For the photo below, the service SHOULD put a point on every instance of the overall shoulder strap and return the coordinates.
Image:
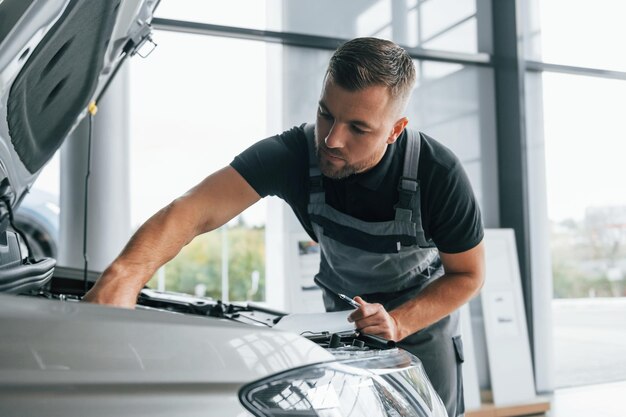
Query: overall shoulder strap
(409, 205)
(315, 175)
(408, 185)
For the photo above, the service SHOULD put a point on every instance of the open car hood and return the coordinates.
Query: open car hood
(56, 58)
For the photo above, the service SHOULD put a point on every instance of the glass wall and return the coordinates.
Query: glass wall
(586, 134)
(242, 13)
(578, 141)
(196, 102)
(580, 33)
(585, 143)
(448, 25)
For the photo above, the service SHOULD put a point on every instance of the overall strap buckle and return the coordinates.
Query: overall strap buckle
(407, 190)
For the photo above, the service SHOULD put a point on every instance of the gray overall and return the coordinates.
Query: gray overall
(389, 263)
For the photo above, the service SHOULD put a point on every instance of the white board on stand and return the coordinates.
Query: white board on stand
(510, 365)
(302, 266)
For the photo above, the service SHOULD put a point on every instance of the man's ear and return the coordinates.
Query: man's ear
(397, 130)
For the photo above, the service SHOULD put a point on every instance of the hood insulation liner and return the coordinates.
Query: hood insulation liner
(58, 80)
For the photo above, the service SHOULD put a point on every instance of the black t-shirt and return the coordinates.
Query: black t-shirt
(279, 166)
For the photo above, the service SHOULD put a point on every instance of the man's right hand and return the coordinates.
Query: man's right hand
(113, 289)
(125, 299)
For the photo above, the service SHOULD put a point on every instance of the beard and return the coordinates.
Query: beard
(332, 170)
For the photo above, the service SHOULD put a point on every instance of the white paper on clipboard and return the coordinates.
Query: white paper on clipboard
(334, 322)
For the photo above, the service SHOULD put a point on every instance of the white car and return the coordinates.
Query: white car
(175, 355)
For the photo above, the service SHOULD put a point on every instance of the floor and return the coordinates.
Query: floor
(589, 341)
(601, 400)
(590, 358)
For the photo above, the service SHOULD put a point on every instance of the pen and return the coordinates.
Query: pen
(349, 300)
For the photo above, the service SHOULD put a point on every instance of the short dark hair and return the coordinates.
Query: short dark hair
(366, 62)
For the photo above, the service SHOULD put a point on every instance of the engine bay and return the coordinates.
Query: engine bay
(68, 285)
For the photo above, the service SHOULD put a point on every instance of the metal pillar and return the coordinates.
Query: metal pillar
(108, 217)
(512, 157)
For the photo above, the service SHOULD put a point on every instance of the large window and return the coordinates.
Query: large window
(196, 102)
(449, 25)
(578, 113)
(576, 32)
(585, 134)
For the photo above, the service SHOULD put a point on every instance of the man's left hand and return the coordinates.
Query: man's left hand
(374, 319)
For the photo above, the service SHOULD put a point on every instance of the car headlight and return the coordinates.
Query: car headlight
(375, 384)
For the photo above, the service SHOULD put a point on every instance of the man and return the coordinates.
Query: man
(397, 222)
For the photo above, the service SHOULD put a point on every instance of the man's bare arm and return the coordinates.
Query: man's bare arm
(210, 204)
(464, 276)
